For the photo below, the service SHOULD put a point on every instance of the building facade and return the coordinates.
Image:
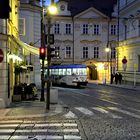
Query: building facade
(30, 33)
(13, 55)
(82, 31)
(9, 47)
(129, 40)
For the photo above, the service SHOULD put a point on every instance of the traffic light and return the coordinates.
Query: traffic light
(42, 52)
(51, 39)
(4, 9)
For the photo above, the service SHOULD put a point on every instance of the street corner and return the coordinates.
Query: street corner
(31, 110)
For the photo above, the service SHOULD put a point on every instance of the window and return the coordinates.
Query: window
(57, 51)
(57, 29)
(62, 7)
(68, 52)
(96, 29)
(22, 26)
(85, 52)
(113, 53)
(85, 28)
(113, 30)
(68, 28)
(96, 52)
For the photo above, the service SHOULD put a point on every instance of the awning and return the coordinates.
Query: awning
(27, 48)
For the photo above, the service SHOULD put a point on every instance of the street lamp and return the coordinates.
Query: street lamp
(52, 10)
(44, 47)
(107, 50)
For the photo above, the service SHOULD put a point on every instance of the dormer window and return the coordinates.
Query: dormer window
(62, 7)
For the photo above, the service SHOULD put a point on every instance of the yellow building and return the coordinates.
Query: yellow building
(129, 41)
(14, 52)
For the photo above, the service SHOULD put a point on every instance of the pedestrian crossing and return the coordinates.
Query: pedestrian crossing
(111, 112)
(39, 130)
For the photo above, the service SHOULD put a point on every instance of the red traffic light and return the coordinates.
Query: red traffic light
(42, 53)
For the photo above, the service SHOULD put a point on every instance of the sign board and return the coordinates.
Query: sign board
(1, 55)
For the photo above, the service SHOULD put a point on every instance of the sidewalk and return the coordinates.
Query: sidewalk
(125, 86)
(30, 109)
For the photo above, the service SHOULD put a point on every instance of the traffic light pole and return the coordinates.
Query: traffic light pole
(43, 45)
(49, 62)
(48, 59)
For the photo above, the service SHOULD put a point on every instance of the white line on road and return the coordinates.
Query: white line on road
(70, 115)
(8, 125)
(48, 137)
(124, 112)
(106, 112)
(70, 137)
(85, 111)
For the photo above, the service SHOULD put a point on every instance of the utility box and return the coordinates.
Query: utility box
(53, 96)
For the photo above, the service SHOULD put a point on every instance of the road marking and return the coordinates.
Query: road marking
(4, 137)
(10, 125)
(7, 130)
(100, 110)
(49, 125)
(50, 130)
(124, 112)
(10, 121)
(70, 137)
(49, 137)
(63, 130)
(70, 115)
(85, 111)
(106, 112)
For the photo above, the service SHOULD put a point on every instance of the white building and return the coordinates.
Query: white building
(30, 33)
(82, 30)
(129, 37)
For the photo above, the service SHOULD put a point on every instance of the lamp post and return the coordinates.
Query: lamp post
(107, 65)
(42, 45)
(52, 10)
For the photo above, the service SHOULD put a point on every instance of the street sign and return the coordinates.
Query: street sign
(1, 55)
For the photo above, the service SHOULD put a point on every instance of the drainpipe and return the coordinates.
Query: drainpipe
(73, 40)
(118, 30)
